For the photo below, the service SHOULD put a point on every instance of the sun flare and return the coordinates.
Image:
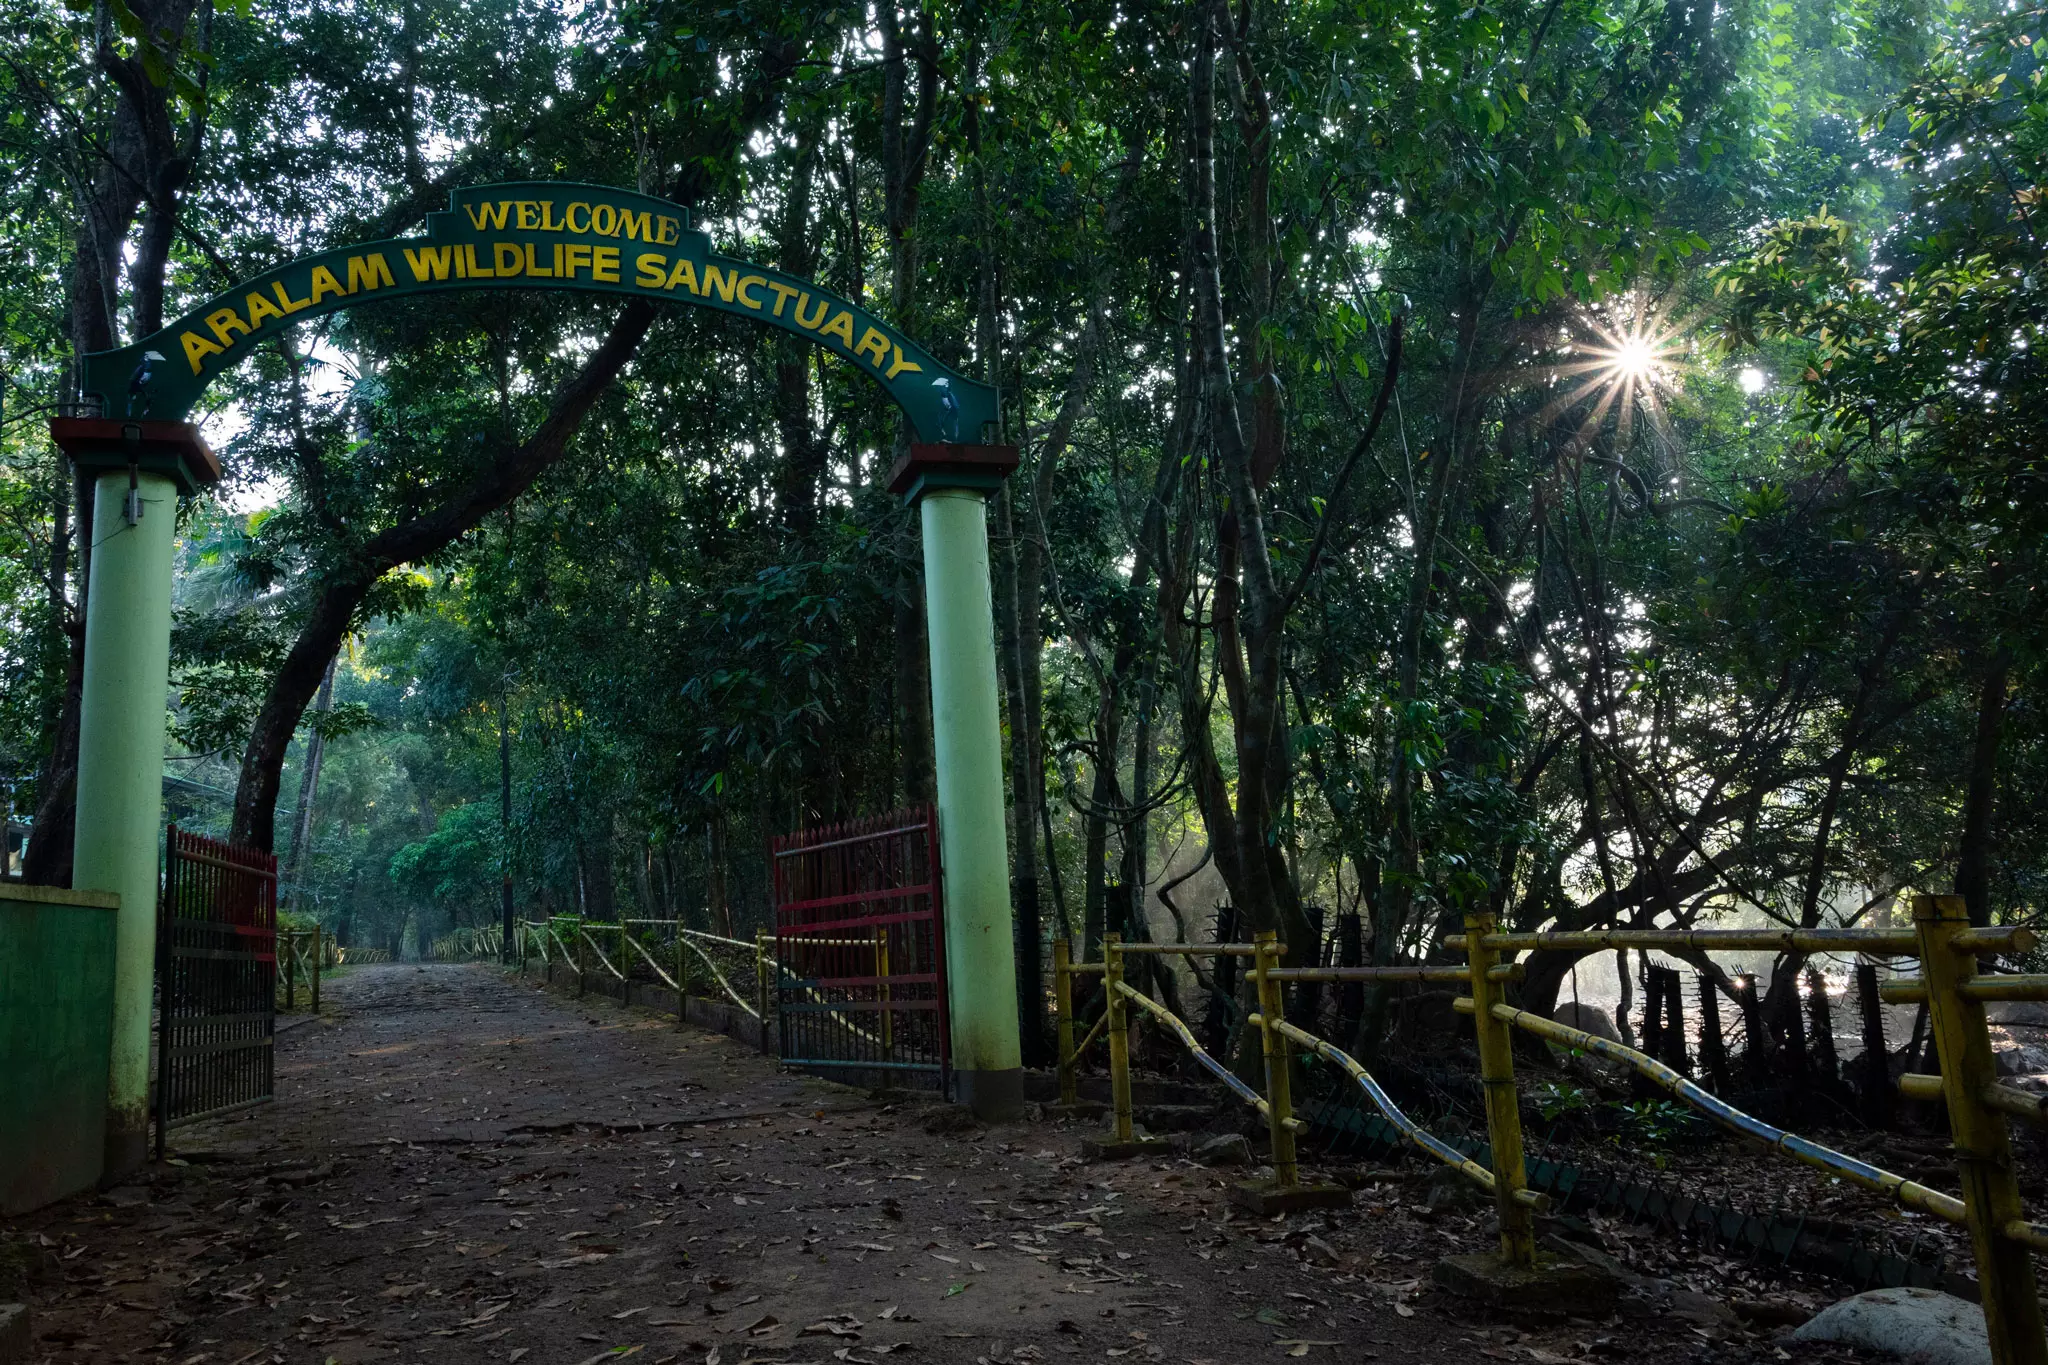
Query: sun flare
(1622, 362)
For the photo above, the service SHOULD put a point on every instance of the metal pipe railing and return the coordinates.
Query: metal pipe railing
(1909, 1193)
(1187, 1038)
(1421, 1137)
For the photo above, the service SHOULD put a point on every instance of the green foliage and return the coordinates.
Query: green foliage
(1680, 643)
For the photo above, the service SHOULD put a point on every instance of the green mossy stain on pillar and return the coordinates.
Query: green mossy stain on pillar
(967, 746)
(120, 770)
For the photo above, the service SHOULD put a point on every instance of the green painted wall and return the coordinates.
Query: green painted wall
(56, 1031)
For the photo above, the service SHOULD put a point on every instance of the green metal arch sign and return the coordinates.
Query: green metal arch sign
(534, 235)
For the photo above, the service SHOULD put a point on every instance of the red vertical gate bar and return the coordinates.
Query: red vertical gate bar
(216, 979)
(859, 948)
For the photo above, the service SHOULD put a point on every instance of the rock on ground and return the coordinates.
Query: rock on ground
(1586, 1018)
(1919, 1324)
(1225, 1149)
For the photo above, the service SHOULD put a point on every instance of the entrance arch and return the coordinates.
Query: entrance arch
(535, 235)
(525, 235)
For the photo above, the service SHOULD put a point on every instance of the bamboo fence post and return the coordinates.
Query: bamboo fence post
(1118, 1028)
(682, 952)
(1503, 1105)
(316, 968)
(1063, 1003)
(761, 990)
(1991, 1192)
(1279, 1084)
(291, 971)
(582, 958)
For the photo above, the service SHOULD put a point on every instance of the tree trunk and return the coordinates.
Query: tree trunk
(1973, 855)
(906, 153)
(138, 150)
(1250, 611)
(309, 788)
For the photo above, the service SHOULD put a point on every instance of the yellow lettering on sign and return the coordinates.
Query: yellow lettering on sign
(874, 346)
(671, 232)
(324, 284)
(547, 216)
(808, 323)
(290, 304)
(529, 214)
(719, 282)
(370, 272)
(569, 217)
(197, 347)
(748, 300)
(429, 263)
(558, 258)
(505, 256)
(651, 268)
(261, 308)
(577, 254)
(484, 217)
(637, 225)
(533, 267)
(224, 321)
(684, 274)
(604, 220)
(841, 326)
(899, 365)
(604, 266)
(783, 294)
(471, 269)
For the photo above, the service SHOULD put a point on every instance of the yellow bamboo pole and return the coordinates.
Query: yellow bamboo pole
(1119, 1036)
(1991, 1192)
(1063, 1004)
(682, 975)
(761, 991)
(1279, 1084)
(1503, 1107)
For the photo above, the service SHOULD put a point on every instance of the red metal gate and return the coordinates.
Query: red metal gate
(216, 978)
(860, 948)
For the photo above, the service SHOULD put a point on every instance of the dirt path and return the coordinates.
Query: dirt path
(461, 1167)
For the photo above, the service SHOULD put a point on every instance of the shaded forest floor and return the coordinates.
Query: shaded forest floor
(463, 1167)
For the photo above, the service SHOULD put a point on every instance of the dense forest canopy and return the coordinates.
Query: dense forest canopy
(1574, 459)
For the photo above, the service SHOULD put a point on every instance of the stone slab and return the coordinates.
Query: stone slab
(1267, 1199)
(1109, 1149)
(1079, 1109)
(14, 1333)
(1550, 1286)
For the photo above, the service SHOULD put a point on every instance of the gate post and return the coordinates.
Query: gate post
(949, 485)
(141, 468)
